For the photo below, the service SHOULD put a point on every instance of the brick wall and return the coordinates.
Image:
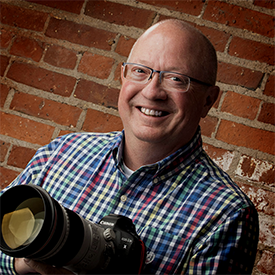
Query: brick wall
(60, 63)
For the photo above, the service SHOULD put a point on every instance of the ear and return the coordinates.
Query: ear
(211, 96)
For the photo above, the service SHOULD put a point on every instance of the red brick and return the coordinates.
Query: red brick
(70, 6)
(22, 18)
(60, 57)
(263, 200)
(96, 65)
(5, 38)
(242, 135)
(20, 156)
(252, 50)
(239, 17)
(80, 34)
(208, 125)
(4, 62)
(7, 176)
(117, 75)
(218, 38)
(221, 157)
(97, 121)
(25, 129)
(4, 90)
(47, 109)
(235, 75)
(125, 45)
(4, 147)
(26, 47)
(119, 14)
(186, 6)
(240, 105)
(267, 114)
(267, 263)
(269, 4)
(270, 86)
(96, 93)
(42, 79)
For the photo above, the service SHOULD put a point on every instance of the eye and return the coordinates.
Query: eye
(176, 79)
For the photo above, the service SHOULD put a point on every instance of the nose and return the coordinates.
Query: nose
(153, 89)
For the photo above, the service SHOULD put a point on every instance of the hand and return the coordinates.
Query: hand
(25, 266)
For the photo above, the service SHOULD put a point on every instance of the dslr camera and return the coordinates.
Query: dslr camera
(35, 226)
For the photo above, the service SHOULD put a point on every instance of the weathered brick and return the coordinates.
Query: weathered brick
(267, 231)
(269, 4)
(96, 65)
(267, 114)
(70, 6)
(25, 129)
(256, 170)
(20, 156)
(4, 90)
(267, 262)
(236, 75)
(252, 50)
(119, 14)
(239, 17)
(60, 57)
(240, 105)
(270, 86)
(223, 158)
(5, 38)
(97, 121)
(263, 200)
(42, 79)
(242, 135)
(47, 109)
(26, 47)
(208, 125)
(4, 147)
(4, 62)
(96, 93)
(187, 6)
(7, 176)
(80, 34)
(22, 18)
(125, 45)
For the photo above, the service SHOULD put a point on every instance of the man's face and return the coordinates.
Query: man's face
(156, 115)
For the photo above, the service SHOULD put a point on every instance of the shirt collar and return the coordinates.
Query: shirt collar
(182, 156)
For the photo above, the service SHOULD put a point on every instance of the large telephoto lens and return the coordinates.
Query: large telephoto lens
(33, 225)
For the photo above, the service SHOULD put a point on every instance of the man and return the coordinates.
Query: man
(192, 218)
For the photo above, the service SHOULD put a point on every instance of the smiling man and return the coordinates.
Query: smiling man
(192, 218)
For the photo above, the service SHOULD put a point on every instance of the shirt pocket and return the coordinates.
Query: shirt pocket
(165, 251)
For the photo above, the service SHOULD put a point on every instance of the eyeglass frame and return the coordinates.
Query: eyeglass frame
(161, 72)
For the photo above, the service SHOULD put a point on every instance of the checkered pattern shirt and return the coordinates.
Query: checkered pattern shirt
(192, 218)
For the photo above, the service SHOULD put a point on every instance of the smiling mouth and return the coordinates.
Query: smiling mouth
(150, 112)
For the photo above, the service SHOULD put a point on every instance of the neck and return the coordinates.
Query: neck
(144, 153)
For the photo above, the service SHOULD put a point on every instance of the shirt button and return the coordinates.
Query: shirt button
(123, 198)
(155, 181)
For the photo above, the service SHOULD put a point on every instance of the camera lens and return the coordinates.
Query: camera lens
(21, 226)
(33, 225)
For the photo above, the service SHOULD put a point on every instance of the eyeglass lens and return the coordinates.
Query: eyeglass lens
(169, 80)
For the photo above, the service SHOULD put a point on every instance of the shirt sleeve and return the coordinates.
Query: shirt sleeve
(231, 249)
(6, 264)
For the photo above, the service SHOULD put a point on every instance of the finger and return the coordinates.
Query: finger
(45, 269)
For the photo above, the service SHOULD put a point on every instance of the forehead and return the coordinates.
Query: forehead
(167, 47)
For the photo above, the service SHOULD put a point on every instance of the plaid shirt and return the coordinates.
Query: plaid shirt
(192, 218)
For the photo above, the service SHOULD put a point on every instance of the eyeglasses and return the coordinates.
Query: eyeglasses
(174, 82)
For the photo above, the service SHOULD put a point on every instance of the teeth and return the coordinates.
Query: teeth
(149, 112)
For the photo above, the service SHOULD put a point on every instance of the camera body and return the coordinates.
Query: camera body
(35, 226)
